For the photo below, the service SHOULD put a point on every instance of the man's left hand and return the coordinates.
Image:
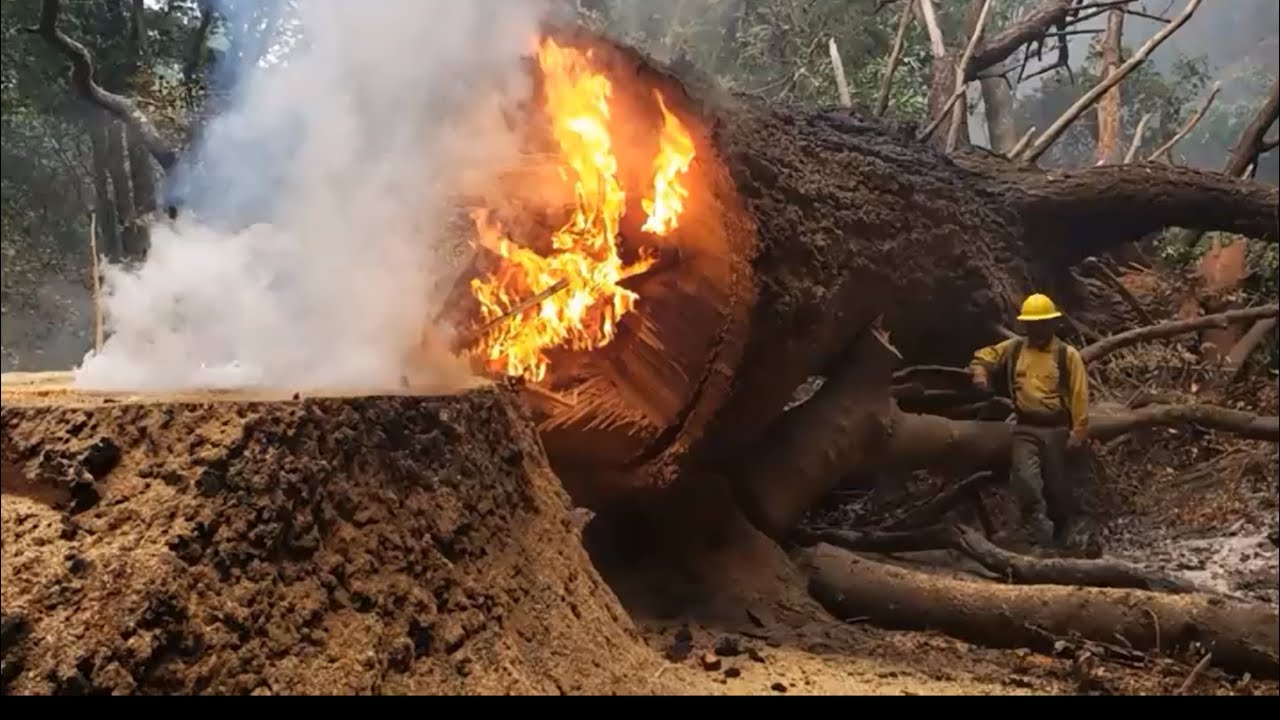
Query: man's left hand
(1077, 439)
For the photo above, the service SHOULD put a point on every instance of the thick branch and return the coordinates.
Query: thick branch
(1031, 29)
(1236, 422)
(1187, 128)
(1103, 348)
(1050, 136)
(1239, 355)
(1111, 204)
(1247, 149)
(82, 79)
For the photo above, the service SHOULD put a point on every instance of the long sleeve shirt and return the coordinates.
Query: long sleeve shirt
(1035, 381)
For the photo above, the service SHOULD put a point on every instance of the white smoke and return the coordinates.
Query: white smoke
(345, 148)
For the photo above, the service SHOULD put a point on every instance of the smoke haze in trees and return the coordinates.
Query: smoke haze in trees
(313, 204)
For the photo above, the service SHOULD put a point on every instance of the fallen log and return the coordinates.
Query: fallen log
(1011, 567)
(1242, 637)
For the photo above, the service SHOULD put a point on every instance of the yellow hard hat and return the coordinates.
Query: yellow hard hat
(1038, 307)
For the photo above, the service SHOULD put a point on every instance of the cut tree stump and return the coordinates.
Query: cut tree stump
(224, 545)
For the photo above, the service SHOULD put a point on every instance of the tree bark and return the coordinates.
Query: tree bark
(1109, 106)
(997, 101)
(1243, 637)
(104, 203)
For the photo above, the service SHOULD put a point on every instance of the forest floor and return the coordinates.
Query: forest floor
(1204, 517)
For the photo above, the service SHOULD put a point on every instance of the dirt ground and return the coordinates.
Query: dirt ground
(386, 545)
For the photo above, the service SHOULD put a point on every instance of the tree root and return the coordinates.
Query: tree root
(1012, 567)
(1242, 637)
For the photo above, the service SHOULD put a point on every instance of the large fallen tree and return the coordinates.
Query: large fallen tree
(833, 244)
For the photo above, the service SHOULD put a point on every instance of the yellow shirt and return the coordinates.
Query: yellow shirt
(1035, 385)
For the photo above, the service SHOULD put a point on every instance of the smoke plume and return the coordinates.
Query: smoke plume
(315, 205)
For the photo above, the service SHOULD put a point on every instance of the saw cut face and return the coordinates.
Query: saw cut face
(563, 290)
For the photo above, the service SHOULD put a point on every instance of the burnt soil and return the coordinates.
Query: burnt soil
(389, 545)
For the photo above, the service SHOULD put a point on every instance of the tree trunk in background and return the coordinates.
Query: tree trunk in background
(143, 180)
(122, 191)
(997, 99)
(1110, 149)
(108, 224)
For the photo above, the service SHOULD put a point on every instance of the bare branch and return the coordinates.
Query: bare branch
(895, 56)
(1268, 144)
(82, 79)
(1050, 136)
(1022, 142)
(1137, 138)
(1252, 140)
(1238, 357)
(1103, 348)
(1189, 126)
(961, 114)
(936, 44)
(837, 66)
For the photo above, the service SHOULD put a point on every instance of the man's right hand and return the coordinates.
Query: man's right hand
(980, 380)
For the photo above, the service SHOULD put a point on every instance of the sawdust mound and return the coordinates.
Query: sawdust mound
(340, 545)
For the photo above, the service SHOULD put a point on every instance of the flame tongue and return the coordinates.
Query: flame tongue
(585, 313)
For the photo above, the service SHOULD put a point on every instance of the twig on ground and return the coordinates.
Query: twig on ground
(1195, 673)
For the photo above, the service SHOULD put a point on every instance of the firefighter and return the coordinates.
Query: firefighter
(1047, 382)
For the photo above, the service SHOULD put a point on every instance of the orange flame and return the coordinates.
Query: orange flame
(675, 153)
(583, 301)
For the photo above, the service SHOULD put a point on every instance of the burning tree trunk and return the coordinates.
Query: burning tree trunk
(803, 229)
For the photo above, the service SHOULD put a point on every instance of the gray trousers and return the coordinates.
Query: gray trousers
(1038, 456)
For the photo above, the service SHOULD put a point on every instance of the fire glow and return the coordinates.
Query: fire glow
(581, 300)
